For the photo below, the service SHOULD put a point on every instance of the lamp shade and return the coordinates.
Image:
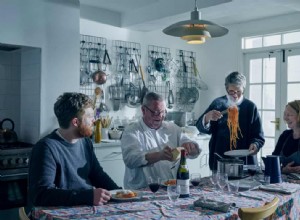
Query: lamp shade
(189, 29)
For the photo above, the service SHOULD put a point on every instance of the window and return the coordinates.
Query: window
(271, 40)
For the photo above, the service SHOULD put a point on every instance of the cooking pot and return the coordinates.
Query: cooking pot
(160, 64)
(233, 167)
(99, 77)
(8, 135)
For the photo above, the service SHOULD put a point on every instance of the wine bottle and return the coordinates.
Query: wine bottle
(183, 176)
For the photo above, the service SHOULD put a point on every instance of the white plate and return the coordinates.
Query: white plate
(246, 183)
(237, 153)
(113, 195)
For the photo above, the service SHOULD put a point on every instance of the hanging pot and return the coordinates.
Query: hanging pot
(8, 135)
(99, 77)
(160, 64)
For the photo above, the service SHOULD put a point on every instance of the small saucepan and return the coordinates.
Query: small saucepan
(99, 77)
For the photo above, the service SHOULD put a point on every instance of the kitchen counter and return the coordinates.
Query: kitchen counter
(107, 143)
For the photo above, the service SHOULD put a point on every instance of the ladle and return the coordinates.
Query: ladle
(218, 155)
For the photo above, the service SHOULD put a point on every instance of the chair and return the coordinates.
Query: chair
(22, 214)
(259, 212)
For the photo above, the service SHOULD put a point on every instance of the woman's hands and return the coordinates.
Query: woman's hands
(290, 169)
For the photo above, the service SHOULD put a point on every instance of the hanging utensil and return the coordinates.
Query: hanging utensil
(200, 83)
(144, 89)
(184, 67)
(106, 59)
(99, 77)
(170, 96)
(132, 99)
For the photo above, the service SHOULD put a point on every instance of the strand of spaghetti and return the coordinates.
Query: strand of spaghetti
(233, 125)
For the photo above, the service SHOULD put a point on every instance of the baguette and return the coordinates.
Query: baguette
(176, 153)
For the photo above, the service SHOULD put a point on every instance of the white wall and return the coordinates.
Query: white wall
(53, 26)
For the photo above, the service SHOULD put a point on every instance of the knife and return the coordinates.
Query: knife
(249, 196)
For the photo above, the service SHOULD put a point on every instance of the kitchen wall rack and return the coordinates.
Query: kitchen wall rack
(157, 72)
(186, 85)
(126, 78)
(93, 56)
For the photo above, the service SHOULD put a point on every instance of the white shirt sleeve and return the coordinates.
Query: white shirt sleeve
(206, 126)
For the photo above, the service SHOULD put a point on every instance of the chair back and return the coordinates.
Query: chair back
(22, 214)
(259, 212)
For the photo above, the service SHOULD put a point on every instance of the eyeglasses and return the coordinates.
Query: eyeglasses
(233, 92)
(156, 113)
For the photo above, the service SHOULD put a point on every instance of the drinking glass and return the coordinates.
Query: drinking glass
(266, 180)
(173, 193)
(214, 179)
(233, 187)
(222, 180)
(154, 183)
(195, 179)
(252, 169)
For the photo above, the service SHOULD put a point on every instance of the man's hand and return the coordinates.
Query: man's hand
(190, 148)
(166, 154)
(212, 115)
(253, 149)
(101, 196)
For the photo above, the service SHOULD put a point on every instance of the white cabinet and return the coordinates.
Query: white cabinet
(110, 157)
(200, 164)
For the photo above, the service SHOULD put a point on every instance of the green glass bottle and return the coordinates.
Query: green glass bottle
(183, 176)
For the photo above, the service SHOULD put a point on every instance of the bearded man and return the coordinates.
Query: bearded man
(64, 170)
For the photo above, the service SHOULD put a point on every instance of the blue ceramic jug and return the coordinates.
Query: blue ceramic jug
(272, 168)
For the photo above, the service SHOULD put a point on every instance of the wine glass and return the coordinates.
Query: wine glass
(222, 180)
(173, 193)
(195, 179)
(214, 178)
(252, 170)
(154, 183)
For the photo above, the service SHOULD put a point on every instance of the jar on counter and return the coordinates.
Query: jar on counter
(97, 132)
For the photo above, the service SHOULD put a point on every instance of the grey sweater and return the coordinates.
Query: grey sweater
(64, 174)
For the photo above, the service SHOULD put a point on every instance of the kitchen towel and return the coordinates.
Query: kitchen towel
(213, 205)
(285, 188)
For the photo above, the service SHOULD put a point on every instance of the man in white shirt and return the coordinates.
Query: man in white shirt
(147, 145)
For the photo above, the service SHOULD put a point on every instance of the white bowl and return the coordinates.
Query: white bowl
(115, 134)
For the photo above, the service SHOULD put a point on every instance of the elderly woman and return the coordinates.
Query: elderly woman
(288, 145)
(213, 122)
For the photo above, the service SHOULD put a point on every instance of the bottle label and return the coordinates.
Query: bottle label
(184, 186)
(184, 166)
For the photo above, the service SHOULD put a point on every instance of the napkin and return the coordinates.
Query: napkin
(278, 188)
(213, 205)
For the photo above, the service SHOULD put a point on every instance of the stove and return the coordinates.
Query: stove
(14, 159)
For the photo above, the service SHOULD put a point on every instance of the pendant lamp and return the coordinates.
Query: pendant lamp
(195, 31)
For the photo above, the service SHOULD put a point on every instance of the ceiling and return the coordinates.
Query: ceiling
(150, 15)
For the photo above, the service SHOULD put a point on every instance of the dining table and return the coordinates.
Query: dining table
(149, 205)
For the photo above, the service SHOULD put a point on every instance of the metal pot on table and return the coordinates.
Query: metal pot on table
(233, 167)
